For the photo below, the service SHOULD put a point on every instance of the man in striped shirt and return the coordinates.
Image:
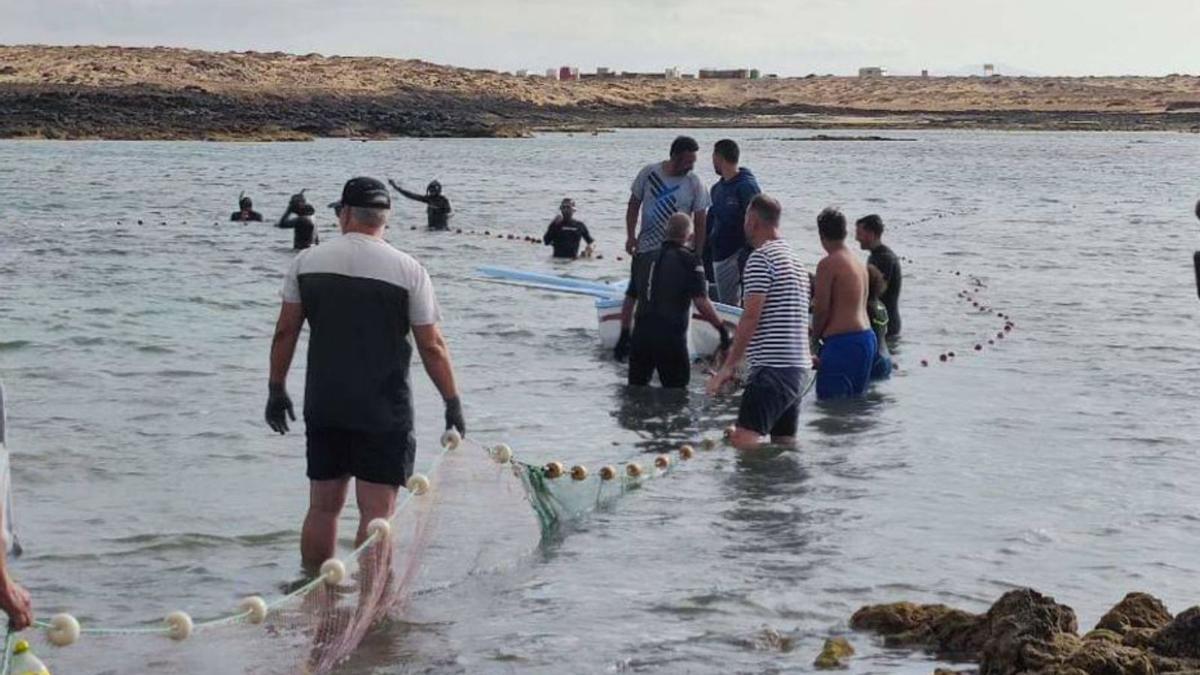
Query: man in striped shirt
(772, 334)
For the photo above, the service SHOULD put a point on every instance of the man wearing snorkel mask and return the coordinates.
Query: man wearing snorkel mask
(437, 206)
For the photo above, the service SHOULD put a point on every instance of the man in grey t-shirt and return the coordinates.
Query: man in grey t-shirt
(661, 190)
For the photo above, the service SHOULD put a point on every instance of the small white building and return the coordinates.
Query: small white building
(871, 71)
(522, 73)
(672, 73)
(552, 73)
(989, 70)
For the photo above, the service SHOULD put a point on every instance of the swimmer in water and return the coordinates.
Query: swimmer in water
(565, 233)
(840, 314)
(881, 369)
(299, 218)
(437, 206)
(245, 212)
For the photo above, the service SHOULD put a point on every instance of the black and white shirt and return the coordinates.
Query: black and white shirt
(361, 298)
(781, 340)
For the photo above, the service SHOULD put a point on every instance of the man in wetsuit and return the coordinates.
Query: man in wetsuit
(660, 190)
(565, 233)
(362, 299)
(245, 212)
(840, 314)
(437, 206)
(298, 218)
(868, 231)
(1196, 256)
(731, 197)
(14, 600)
(772, 334)
(663, 293)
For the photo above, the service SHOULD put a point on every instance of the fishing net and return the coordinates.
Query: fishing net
(442, 534)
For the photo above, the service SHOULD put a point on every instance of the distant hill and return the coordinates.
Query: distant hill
(117, 92)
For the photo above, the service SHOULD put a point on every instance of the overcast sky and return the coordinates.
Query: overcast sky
(791, 37)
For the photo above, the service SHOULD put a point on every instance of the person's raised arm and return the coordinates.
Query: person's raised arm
(435, 356)
(411, 195)
(283, 349)
(822, 300)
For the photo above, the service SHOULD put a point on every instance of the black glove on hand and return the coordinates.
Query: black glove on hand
(454, 416)
(726, 341)
(278, 403)
(624, 344)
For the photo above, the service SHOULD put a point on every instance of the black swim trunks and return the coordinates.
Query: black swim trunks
(771, 401)
(376, 457)
(655, 347)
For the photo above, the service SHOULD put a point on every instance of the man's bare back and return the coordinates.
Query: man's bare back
(840, 295)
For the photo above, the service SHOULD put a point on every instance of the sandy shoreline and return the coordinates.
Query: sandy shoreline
(160, 93)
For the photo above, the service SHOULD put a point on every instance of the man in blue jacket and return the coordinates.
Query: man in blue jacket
(727, 239)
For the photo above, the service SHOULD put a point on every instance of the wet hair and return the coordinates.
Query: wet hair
(684, 144)
(678, 227)
(877, 285)
(728, 150)
(872, 224)
(767, 208)
(434, 187)
(368, 217)
(832, 225)
(305, 209)
(245, 203)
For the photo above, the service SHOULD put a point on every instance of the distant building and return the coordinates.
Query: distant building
(925, 74)
(568, 73)
(522, 73)
(552, 73)
(871, 71)
(734, 74)
(755, 73)
(672, 73)
(989, 70)
(604, 72)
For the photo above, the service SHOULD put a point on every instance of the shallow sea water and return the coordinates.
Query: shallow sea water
(1060, 458)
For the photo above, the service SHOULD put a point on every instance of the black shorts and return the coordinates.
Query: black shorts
(376, 457)
(771, 401)
(666, 351)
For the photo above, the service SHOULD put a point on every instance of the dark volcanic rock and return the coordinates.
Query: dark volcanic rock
(1181, 637)
(1136, 610)
(1026, 631)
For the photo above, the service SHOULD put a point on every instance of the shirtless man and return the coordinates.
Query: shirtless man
(840, 315)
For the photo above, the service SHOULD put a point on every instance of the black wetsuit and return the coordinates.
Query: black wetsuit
(304, 230)
(565, 237)
(886, 261)
(664, 291)
(250, 216)
(437, 208)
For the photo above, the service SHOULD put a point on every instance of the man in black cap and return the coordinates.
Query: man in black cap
(245, 212)
(437, 206)
(361, 298)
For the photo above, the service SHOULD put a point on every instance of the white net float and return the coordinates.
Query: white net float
(255, 609)
(179, 625)
(608, 472)
(451, 439)
(502, 454)
(687, 452)
(380, 528)
(579, 472)
(417, 484)
(633, 469)
(554, 470)
(662, 461)
(63, 631)
(333, 571)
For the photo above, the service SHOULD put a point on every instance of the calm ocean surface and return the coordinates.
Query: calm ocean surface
(1062, 458)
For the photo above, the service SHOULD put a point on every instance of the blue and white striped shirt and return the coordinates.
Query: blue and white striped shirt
(781, 339)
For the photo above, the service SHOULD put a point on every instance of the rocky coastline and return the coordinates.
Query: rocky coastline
(169, 94)
(1027, 632)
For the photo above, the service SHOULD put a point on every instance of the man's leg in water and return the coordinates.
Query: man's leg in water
(375, 500)
(318, 538)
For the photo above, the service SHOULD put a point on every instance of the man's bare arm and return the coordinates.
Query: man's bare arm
(747, 325)
(283, 345)
(435, 355)
(822, 302)
(700, 235)
(631, 220)
(708, 312)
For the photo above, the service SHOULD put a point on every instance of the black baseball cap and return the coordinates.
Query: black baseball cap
(364, 192)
